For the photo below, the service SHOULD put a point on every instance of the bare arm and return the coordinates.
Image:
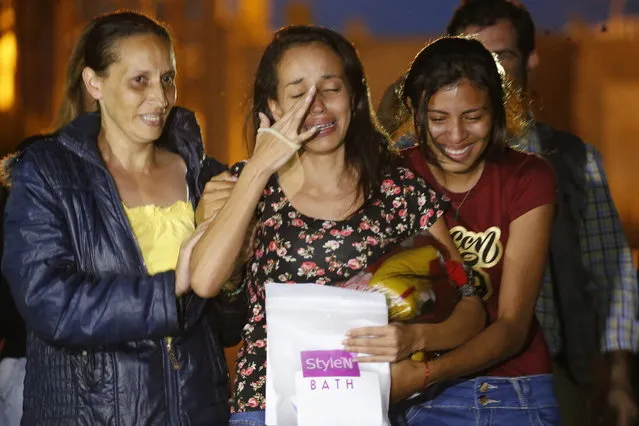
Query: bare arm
(214, 256)
(465, 322)
(524, 262)
(398, 341)
(467, 319)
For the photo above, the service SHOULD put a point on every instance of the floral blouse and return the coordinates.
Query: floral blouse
(293, 248)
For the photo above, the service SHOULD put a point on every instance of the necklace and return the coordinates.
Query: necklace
(474, 179)
(461, 204)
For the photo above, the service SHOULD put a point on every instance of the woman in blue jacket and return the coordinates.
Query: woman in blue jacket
(99, 227)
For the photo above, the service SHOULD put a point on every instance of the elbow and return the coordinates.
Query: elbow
(205, 282)
(516, 338)
(479, 314)
(476, 316)
(48, 328)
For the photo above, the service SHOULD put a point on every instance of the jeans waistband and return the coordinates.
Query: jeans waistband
(491, 392)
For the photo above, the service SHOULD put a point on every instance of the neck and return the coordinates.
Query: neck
(117, 150)
(458, 182)
(326, 173)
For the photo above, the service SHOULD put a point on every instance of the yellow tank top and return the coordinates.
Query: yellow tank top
(160, 232)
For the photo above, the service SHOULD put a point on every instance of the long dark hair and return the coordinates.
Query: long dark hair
(366, 144)
(96, 48)
(447, 61)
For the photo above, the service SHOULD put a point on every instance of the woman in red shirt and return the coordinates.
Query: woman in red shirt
(500, 219)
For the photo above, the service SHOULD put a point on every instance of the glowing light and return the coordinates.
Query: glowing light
(8, 63)
(8, 59)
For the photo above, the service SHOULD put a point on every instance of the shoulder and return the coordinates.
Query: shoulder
(519, 164)
(528, 181)
(564, 150)
(183, 134)
(398, 175)
(33, 153)
(402, 181)
(552, 138)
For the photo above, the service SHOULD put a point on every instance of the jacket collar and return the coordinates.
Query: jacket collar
(181, 135)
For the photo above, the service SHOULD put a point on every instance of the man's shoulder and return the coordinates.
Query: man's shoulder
(553, 139)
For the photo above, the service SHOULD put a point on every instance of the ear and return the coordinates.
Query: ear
(276, 111)
(92, 83)
(533, 61)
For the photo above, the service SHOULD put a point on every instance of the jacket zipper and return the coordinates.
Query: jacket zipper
(171, 353)
(170, 377)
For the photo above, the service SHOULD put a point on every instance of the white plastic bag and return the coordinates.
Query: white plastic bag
(310, 380)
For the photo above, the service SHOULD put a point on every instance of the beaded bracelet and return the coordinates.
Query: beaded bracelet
(234, 293)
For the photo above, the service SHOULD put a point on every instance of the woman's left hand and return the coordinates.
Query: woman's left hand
(407, 377)
(389, 343)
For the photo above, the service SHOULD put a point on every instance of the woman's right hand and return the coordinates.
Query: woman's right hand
(214, 196)
(272, 152)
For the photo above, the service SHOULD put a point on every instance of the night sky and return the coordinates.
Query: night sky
(417, 17)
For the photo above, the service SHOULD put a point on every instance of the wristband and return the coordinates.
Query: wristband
(458, 273)
(278, 135)
(426, 374)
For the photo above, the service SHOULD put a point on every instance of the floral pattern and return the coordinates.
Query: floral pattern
(293, 248)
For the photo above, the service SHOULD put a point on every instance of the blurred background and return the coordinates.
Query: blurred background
(587, 82)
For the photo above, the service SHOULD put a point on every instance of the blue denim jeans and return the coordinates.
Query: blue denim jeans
(248, 418)
(485, 401)
(11, 390)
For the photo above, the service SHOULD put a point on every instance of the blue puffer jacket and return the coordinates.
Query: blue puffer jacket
(96, 347)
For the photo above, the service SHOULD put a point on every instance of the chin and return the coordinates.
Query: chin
(151, 134)
(322, 146)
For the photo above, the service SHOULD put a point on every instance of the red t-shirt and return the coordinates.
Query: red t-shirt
(508, 188)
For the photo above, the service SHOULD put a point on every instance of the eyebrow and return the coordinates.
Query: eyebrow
(147, 72)
(468, 111)
(502, 51)
(324, 77)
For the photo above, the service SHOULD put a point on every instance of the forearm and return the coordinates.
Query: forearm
(214, 256)
(79, 309)
(439, 230)
(496, 343)
(467, 319)
(620, 366)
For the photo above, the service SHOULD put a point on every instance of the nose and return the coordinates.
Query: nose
(318, 105)
(457, 131)
(159, 96)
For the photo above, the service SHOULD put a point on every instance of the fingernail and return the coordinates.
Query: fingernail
(311, 92)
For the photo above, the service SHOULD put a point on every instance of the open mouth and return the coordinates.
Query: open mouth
(320, 127)
(456, 153)
(154, 120)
